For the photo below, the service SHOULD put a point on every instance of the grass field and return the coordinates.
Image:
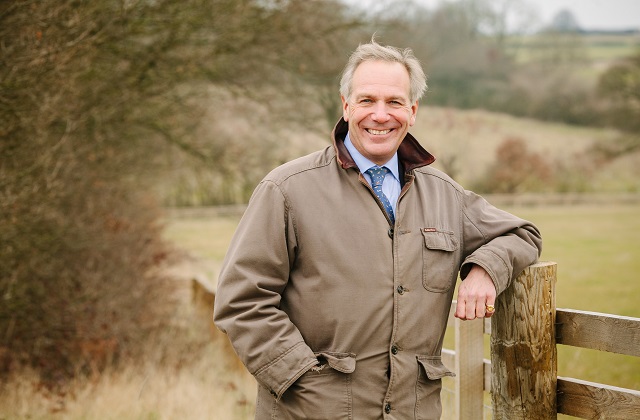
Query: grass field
(594, 47)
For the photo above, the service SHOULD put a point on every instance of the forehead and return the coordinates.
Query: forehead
(381, 78)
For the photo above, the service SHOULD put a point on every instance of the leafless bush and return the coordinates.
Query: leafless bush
(516, 169)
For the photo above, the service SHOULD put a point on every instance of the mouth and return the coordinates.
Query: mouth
(378, 132)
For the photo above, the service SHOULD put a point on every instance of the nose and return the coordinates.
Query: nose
(380, 112)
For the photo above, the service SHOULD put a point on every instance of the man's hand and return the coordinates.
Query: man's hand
(476, 295)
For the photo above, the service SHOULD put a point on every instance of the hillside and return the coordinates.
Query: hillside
(465, 142)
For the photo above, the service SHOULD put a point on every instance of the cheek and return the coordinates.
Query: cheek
(353, 115)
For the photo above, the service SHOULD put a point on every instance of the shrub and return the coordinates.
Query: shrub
(516, 169)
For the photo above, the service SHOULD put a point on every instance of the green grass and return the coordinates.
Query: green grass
(598, 255)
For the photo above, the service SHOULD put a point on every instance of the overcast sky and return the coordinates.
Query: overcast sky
(591, 14)
(595, 14)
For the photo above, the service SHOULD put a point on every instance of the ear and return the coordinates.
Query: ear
(414, 113)
(345, 108)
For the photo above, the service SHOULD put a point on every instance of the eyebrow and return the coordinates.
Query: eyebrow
(391, 98)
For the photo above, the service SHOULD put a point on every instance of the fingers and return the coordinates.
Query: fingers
(460, 310)
(480, 308)
(474, 303)
(472, 310)
(469, 309)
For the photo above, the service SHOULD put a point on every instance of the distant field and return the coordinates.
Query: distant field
(594, 47)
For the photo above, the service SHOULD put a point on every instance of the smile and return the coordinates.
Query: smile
(378, 132)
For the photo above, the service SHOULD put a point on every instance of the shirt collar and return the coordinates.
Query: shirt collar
(364, 164)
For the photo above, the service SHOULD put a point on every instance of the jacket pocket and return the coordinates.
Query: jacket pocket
(323, 392)
(433, 368)
(439, 264)
(428, 386)
(342, 362)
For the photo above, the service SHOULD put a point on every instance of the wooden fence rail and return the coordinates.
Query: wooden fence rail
(522, 373)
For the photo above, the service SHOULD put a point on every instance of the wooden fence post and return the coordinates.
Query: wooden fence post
(523, 347)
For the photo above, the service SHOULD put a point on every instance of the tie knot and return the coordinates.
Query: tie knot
(377, 174)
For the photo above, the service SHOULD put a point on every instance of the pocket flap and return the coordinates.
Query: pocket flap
(439, 239)
(433, 367)
(342, 362)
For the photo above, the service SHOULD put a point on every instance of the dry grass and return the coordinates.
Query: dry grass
(205, 390)
(190, 373)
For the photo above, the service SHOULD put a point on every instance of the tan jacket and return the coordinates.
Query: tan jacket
(316, 273)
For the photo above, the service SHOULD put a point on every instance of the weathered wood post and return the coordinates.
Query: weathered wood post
(523, 347)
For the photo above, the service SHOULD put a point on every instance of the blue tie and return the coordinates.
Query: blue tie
(377, 175)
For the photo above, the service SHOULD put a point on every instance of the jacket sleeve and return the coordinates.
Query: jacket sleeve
(247, 303)
(501, 243)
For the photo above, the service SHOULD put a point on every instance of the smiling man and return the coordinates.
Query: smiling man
(336, 288)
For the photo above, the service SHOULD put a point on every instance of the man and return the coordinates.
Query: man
(335, 291)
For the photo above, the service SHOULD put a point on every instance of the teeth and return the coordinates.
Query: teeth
(378, 132)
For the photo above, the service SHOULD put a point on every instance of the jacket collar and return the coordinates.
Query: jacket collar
(410, 153)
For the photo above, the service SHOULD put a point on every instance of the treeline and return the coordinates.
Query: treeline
(473, 62)
(111, 108)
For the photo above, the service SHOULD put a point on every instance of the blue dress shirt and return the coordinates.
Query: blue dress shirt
(391, 185)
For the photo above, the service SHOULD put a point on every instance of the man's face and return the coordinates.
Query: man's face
(379, 112)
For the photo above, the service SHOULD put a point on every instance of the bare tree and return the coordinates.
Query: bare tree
(96, 99)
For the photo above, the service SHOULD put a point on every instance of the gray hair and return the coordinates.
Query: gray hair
(376, 52)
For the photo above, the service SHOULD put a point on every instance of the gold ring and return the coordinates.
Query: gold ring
(490, 308)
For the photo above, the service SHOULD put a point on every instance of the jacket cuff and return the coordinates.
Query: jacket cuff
(495, 266)
(282, 372)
